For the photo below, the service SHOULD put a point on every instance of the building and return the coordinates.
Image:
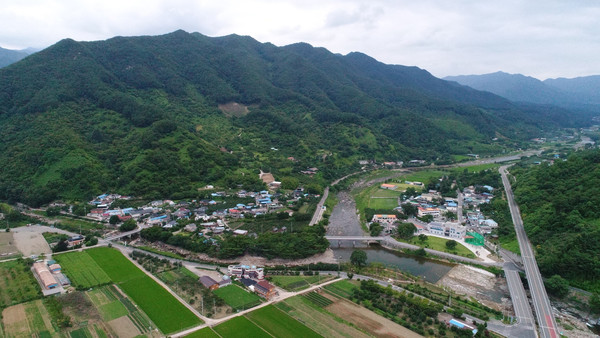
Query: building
(44, 275)
(388, 186)
(246, 271)
(265, 289)
(447, 229)
(385, 219)
(435, 212)
(75, 240)
(209, 283)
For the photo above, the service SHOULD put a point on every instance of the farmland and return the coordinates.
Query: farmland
(26, 320)
(206, 332)
(17, 284)
(163, 309)
(280, 324)
(343, 288)
(82, 270)
(318, 319)
(240, 327)
(238, 298)
(296, 283)
(7, 246)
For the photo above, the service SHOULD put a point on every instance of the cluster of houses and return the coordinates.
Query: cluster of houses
(432, 203)
(251, 277)
(50, 277)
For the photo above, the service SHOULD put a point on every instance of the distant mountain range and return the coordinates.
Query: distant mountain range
(160, 116)
(581, 93)
(9, 56)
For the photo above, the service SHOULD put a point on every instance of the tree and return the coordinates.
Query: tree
(557, 286)
(53, 211)
(91, 241)
(451, 244)
(62, 245)
(375, 229)
(409, 209)
(358, 258)
(422, 238)
(451, 215)
(594, 303)
(406, 230)
(128, 225)
(114, 219)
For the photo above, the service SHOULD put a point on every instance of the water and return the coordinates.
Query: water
(431, 271)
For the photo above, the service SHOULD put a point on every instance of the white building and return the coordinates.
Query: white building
(447, 229)
(435, 212)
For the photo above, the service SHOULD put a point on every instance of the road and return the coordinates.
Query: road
(541, 303)
(459, 209)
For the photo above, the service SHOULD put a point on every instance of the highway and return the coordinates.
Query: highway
(541, 303)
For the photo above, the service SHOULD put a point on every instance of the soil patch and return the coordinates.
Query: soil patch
(368, 320)
(234, 109)
(124, 328)
(7, 245)
(14, 319)
(477, 283)
(31, 243)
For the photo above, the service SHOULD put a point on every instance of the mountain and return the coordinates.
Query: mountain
(160, 116)
(9, 56)
(579, 94)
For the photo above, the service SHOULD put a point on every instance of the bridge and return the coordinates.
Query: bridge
(355, 238)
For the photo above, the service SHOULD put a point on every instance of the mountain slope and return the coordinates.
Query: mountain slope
(9, 56)
(583, 89)
(141, 115)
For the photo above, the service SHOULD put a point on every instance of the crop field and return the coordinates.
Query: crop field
(82, 270)
(317, 299)
(279, 324)
(318, 319)
(296, 283)
(206, 332)
(164, 310)
(7, 246)
(240, 327)
(343, 288)
(17, 284)
(26, 320)
(238, 298)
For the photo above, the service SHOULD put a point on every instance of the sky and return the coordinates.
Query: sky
(539, 38)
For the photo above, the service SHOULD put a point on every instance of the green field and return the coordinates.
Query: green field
(476, 168)
(343, 288)
(387, 192)
(439, 244)
(206, 332)
(17, 284)
(238, 298)
(82, 270)
(383, 203)
(162, 308)
(296, 283)
(280, 324)
(240, 327)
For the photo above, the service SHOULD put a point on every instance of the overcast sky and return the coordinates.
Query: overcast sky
(539, 38)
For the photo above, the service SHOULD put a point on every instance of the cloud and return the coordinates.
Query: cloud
(549, 39)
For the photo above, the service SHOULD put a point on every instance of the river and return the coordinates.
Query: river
(344, 221)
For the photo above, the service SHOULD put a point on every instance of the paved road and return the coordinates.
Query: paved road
(459, 210)
(525, 321)
(541, 303)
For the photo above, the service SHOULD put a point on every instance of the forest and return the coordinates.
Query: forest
(560, 205)
(146, 116)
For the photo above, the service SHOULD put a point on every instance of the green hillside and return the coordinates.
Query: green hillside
(560, 205)
(140, 116)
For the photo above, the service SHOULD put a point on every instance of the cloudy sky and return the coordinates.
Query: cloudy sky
(539, 38)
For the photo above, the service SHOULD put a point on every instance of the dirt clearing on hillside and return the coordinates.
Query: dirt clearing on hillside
(31, 243)
(368, 320)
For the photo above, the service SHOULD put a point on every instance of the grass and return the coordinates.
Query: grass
(206, 332)
(296, 283)
(387, 193)
(343, 288)
(113, 310)
(383, 203)
(83, 271)
(511, 245)
(162, 308)
(237, 298)
(439, 244)
(240, 327)
(17, 284)
(280, 324)
(477, 168)
(160, 252)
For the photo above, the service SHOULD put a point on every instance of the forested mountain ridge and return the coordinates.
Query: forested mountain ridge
(560, 204)
(140, 115)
